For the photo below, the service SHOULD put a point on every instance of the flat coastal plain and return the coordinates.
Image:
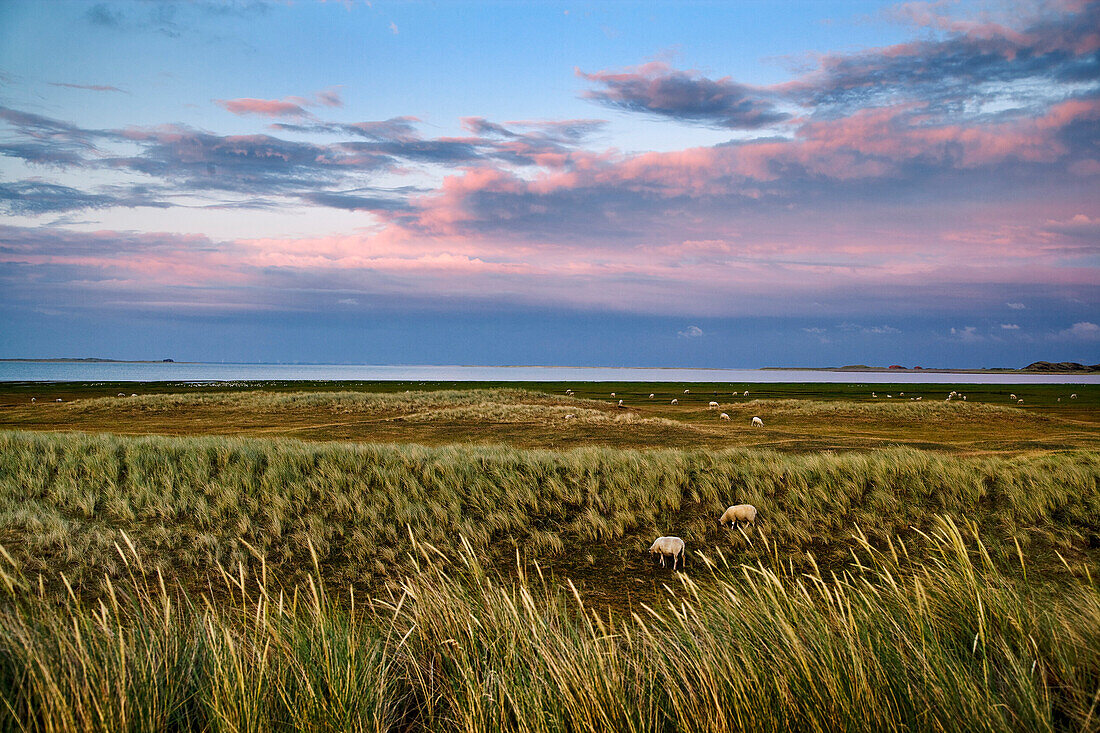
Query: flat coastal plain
(456, 556)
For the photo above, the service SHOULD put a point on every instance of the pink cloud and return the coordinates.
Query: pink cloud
(287, 107)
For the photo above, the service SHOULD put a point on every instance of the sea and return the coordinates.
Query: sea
(199, 372)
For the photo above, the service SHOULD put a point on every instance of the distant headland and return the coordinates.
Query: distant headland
(1040, 367)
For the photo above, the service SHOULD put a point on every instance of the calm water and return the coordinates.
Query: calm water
(40, 371)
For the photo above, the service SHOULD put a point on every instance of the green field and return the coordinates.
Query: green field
(920, 565)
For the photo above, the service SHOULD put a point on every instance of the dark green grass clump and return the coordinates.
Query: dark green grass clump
(192, 503)
(947, 644)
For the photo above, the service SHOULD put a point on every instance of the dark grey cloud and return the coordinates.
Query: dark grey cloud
(685, 96)
(963, 64)
(89, 87)
(38, 197)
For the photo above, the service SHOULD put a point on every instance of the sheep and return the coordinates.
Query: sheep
(723, 416)
(612, 394)
(569, 392)
(673, 547)
(964, 398)
(570, 416)
(745, 513)
(746, 393)
(901, 394)
(919, 399)
(1073, 396)
(1020, 401)
(650, 395)
(133, 395)
(58, 400)
(873, 394)
(34, 399)
(890, 395)
(121, 394)
(622, 405)
(1012, 397)
(687, 391)
(675, 401)
(757, 422)
(712, 405)
(1059, 399)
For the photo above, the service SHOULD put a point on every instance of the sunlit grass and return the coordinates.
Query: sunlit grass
(953, 642)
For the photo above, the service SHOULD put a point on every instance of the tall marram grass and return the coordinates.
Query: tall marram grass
(945, 644)
(192, 503)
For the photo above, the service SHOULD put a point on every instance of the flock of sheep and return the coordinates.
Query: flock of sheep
(675, 548)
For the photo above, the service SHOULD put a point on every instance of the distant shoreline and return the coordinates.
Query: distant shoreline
(1048, 368)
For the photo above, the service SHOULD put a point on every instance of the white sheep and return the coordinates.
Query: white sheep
(712, 405)
(687, 391)
(1073, 396)
(622, 405)
(570, 416)
(746, 393)
(757, 422)
(650, 395)
(34, 399)
(612, 394)
(1012, 397)
(121, 394)
(1020, 401)
(744, 513)
(901, 394)
(873, 394)
(919, 399)
(673, 547)
(133, 395)
(675, 401)
(58, 400)
(723, 416)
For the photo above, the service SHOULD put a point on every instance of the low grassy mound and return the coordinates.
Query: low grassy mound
(949, 644)
(899, 409)
(335, 403)
(191, 503)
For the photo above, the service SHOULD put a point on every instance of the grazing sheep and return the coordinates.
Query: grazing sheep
(1073, 396)
(874, 394)
(1012, 397)
(133, 395)
(121, 394)
(723, 416)
(687, 391)
(34, 399)
(746, 393)
(58, 400)
(712, 405)
(622, 405)
(673, 547)
(1059, 399)
(919, 399)
(1020, 401)
(757, 422)
(744, 513)
(964, 398)
(612, 394)
(890, 395)
(651, 395)
(570, 416)
(675, 401)
(901, 394)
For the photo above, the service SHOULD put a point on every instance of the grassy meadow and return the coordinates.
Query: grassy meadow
(465, 557)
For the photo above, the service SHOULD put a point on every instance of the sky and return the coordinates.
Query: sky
(698, 184)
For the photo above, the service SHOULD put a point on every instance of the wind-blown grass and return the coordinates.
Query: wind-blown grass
(948, 644)
(195, 502)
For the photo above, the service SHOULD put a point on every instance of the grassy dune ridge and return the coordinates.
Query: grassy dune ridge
(191, 503)
(946, 644)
